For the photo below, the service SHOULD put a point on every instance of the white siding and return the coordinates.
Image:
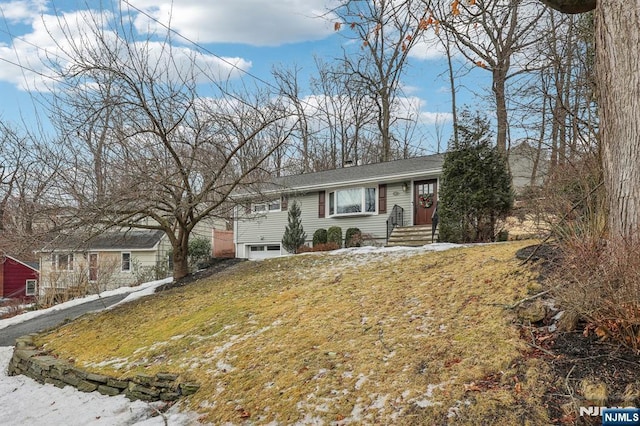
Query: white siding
(110, 273)
(268, 228)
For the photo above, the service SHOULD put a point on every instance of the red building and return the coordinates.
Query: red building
(18, 280)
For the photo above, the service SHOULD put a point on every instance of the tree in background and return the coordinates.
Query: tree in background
(476, 186)
(495, 36)
(294, 235)
(28, 207)
(617, 33)
(387, 30)
(143, 148)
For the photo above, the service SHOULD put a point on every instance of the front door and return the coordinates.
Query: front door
(425, 195)
(93, 267)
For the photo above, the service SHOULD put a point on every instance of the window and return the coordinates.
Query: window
(126, 262)
(352, 201)
(62, 262)
(30, 288)
(259, 208)
(273, 206)
(270, 206)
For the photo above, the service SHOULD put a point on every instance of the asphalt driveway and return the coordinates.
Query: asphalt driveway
(9, 334)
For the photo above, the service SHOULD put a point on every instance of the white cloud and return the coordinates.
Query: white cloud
(22, 62)
(414, 107)
(252, 22)
(180, 60)
(435, 117)
(428, 48)
(22, 10)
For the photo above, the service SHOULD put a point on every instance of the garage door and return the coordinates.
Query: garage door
(264, 251)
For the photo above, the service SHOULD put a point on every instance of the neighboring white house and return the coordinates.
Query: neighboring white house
(528, 166)
(366, 197)
(106, 261)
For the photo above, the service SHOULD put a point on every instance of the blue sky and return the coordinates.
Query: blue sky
(256, 34)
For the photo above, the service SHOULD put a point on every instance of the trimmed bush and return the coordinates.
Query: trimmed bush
(199, 250)
(334, 235)
(353, 237)
(320, 237)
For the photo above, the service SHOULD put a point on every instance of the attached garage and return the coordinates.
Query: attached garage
(263, 251)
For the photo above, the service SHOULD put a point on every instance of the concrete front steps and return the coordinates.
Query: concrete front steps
(412, 236)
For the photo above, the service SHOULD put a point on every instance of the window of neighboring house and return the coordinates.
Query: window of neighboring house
(126, 262)
(30, 289)
(62, 262)
(274, 206)
(259, 208)
(270, 206)
(352, 201)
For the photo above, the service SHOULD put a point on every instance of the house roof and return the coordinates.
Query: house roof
(134, 239)
(31, 265)
(389, 171)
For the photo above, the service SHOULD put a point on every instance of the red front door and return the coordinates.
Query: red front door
(425, 194)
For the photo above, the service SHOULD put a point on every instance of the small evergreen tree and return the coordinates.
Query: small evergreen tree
(294, 235)
(476, 185)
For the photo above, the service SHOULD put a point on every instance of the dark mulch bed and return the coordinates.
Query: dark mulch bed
(214, 266)
(578, 358)
(574, 357)
(547, 256)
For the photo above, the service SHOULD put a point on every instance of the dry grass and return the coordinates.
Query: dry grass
(384, 338)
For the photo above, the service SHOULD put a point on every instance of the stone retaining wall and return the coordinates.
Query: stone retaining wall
(45, 368)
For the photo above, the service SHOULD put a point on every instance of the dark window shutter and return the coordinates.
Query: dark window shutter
(321, 208)
(382, 198)
(284, 202)
(247, 208)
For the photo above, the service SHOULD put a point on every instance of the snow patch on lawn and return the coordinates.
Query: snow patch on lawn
(426, 399)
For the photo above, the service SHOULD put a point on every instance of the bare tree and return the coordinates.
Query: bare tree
(26, 169)
(12, 158)
(288, 82)
(334, 117)
(491, 34)
(144, 149)
(386, 30)
(617, 33)
(553, 109)
(346, 110)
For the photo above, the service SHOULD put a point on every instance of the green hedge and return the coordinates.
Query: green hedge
(334, 235)
(320, 237)
(353, 237)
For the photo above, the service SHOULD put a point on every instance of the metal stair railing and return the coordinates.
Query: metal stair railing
(396, 218)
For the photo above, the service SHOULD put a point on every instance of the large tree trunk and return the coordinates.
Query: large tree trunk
(618, 77)
(181, 256)
(499, 90)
